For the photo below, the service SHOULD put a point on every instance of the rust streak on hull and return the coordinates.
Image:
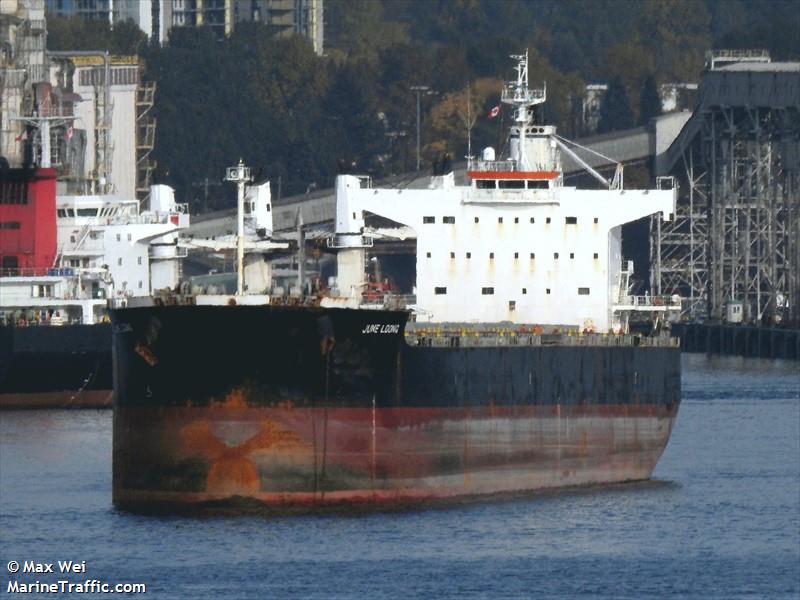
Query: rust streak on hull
(275, 456)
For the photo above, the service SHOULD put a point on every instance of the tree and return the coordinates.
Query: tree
(352, 121)
(615, 111)
(359, 30)
(630, 61)
(460, 113)
(77, 33)
(291, 114)
(677, 32)
(649, 101)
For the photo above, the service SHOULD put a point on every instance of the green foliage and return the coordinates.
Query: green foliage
(615, 111)
(252, 97)
(358, 29)
(292, 115)
(770, 25)
(650, 101)
(75, 33)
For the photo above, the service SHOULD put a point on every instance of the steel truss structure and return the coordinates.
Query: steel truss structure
(735, 236)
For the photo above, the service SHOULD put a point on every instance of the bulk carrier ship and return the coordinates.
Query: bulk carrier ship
(511, 370)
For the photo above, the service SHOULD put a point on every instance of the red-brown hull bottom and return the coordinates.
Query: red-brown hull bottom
(61, 399)
(301, 458)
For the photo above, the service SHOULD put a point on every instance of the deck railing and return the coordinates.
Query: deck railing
(492, 165)
(503, 338)
(513, 93)
(39, 272)
(650, 301)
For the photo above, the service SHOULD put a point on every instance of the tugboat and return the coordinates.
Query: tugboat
(512, 369)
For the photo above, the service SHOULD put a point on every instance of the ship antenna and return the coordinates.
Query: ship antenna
(522, 98)
(469, 123)
(469, 120)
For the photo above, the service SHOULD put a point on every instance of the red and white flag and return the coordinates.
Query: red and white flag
(494, 112)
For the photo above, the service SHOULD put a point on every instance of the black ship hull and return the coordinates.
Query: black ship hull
(297, 408)
(49, 366)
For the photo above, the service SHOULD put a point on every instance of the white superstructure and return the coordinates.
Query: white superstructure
(515, 244)
(107, 247)
(253, 240)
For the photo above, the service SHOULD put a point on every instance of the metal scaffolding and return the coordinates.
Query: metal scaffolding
(22, 63)
(735, 237)
(145, 138)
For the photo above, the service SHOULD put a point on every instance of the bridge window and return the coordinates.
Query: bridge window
(555, 255)
(547, 220)
(524, 291)
(595, 220)
(9, 264)
(533, 255)
(516, 219)
(119, 262)
(449, 220)
(61, 213)
(477, 220)
(538, 184)
(512, 305)
(499, 219)
(13, 192)
(547, 290)
(469, 254)
(516, 254)
(512, 184)
(485, 184)
(533, 220)
(571, 220)
(42, 291)
(491, 255)
(428, 220)
(427, 255)
(583, 291)
(452, 255)
(572, 255)
(596, 256)
(9, 225)
(487, 291)
(439, 291)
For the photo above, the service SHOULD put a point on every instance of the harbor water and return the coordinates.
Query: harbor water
(720, 519)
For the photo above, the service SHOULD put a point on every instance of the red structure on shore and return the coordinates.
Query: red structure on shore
(27, 220)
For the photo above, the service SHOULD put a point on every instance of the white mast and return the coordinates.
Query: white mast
(44, 125)
(517, 94)
(239, 175)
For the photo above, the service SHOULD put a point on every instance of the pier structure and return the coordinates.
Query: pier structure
(739, 340)
(735, 239)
